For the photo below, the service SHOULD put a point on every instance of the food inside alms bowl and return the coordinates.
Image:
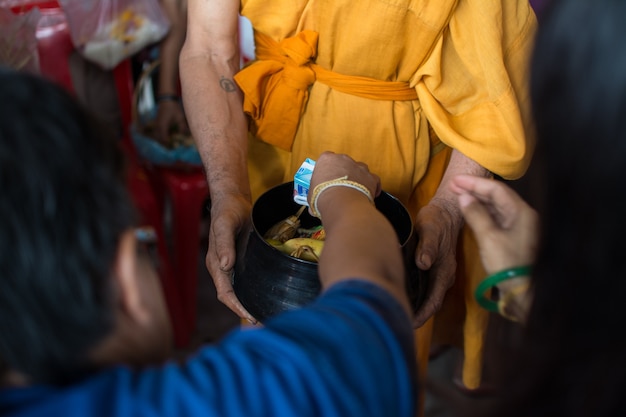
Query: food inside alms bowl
(276, 267)
(288, 237)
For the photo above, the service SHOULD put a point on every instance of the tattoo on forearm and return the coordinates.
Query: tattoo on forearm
(227, 85)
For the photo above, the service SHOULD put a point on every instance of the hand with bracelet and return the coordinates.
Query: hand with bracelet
(364, 245)
(331, 166)
(336, 170)
(506, 228)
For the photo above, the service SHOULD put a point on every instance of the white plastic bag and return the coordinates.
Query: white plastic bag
(108, 31)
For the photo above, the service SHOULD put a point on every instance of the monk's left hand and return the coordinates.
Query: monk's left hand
(438, 225)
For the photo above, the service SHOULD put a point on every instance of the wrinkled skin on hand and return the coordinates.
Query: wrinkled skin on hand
(230, 215)
(438, 225)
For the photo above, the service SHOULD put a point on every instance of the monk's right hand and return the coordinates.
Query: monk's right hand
(230, 214)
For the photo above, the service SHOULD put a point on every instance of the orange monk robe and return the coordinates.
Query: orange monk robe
(467, 62)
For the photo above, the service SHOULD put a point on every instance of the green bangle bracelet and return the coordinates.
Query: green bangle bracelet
(493, 280)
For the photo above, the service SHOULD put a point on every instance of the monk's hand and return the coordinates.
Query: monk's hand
(438, 225)
(230, 214)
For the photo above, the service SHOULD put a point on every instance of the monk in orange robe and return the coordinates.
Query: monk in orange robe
(418, 90)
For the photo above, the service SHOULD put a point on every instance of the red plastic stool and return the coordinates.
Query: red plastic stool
(142, 178)
(187, 192)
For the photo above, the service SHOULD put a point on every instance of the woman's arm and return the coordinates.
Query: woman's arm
(506, 229)
(360, 241)
(170, 113)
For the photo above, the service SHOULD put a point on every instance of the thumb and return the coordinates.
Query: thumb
(476, 214)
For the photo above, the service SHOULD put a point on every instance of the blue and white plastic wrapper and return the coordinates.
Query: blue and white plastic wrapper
(301, 182)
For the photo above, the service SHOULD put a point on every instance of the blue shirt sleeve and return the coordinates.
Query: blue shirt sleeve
(349, 353)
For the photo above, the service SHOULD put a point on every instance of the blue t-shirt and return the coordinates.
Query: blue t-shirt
(349, 353)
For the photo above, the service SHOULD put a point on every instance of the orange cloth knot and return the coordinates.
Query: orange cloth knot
(276, 86)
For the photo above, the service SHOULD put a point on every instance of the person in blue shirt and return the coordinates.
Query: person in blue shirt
(83, 326)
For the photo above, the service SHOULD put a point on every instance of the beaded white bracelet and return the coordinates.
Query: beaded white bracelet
(339, 182)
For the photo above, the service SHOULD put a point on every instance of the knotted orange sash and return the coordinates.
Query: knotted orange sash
(276, 85)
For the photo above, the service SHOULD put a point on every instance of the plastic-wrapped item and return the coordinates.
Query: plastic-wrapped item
(108, 31)
(18, 38)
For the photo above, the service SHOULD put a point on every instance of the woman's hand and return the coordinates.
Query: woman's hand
(505, 226)
(330, 166)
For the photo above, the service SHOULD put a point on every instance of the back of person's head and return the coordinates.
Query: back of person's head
(572, 360)
(579, 101)
(63, 208)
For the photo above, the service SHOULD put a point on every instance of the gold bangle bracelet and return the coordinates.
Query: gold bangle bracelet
(339, 182)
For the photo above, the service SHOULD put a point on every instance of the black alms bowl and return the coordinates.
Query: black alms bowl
(268, 281)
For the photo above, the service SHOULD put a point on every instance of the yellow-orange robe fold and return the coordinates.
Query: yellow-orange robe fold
(466, 60)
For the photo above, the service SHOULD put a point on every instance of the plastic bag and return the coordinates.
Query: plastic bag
(18, 39)
(108, 31)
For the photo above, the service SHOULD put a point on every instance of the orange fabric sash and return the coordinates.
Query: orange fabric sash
(276, 85)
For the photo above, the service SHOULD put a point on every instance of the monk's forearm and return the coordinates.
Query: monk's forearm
(459, 164)
(213, 105)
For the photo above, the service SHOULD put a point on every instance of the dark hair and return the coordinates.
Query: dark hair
(63, 208)
(572, 358)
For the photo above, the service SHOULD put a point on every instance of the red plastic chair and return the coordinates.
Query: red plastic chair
(55, 48)
(188, 192)
(53, 42)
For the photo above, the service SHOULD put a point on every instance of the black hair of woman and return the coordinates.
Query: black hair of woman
(570, 360)
(52, 153)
